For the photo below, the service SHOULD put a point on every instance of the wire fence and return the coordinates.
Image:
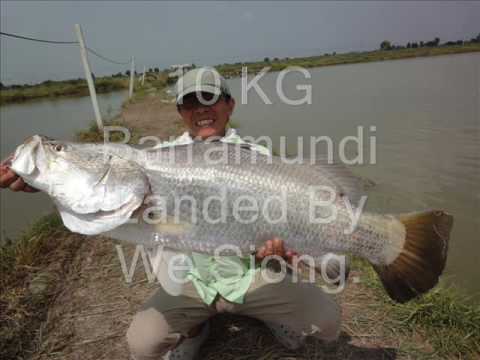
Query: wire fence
(90, 50)
(88, 73)
(35, 39)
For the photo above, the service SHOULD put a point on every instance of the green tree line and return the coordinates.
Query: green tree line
(388, 45)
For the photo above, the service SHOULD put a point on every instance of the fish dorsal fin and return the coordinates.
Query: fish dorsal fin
(350, 184)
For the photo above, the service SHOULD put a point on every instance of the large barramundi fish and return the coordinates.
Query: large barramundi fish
(201, 196)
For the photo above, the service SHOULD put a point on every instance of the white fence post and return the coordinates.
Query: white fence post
(132, 78)
(88, 75)
(143, 76)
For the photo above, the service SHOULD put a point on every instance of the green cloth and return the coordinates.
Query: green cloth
(228, 276)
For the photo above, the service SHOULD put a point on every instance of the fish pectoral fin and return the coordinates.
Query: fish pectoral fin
(104, 178)
(167, 226)
(161, 224)
(140, 233)
(179, 229)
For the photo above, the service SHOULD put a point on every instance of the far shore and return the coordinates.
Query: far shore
(78, 87)
(56, 89)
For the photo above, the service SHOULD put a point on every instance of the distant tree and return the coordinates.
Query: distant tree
(459, 42)
(334, 53)
(156, 70)
(436, 41)
(409, 45)
(276, 59)
(267, 60)
(1, 85)
(127, 72)
(385, 45)
(478, 38)
(421, 44)
(194, 66)
(150, 70)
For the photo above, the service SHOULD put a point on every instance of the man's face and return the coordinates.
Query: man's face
(205, 120)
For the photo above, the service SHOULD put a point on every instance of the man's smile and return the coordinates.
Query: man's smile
(204, 122)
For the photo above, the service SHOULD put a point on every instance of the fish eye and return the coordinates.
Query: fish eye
(59, 147)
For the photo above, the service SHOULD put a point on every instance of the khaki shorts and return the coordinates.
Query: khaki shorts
(303, 309)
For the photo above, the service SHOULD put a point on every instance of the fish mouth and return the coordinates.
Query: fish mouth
(24, 161)
(32, 156)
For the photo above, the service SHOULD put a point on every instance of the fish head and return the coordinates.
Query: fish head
(82, 179)
(51, 165)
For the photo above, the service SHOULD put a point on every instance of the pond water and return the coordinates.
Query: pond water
(424, 115)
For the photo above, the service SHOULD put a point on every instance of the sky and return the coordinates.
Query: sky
(162, 33)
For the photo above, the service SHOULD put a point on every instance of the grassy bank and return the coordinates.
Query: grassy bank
(93, 135)
(32, 268)
(445, 317)
(76, 87)
(55, 89)
(235, 70)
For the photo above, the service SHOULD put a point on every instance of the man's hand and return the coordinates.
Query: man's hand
(8, 179)
(275, 247)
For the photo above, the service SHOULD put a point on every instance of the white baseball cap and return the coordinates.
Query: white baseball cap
(204, 79)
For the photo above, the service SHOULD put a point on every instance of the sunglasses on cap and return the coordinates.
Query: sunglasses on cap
(194, 100)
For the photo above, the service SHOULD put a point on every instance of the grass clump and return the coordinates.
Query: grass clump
(450, 321)
(93, 135)
(26, 251)
(155, 84)
(31, 268)
(445, 317)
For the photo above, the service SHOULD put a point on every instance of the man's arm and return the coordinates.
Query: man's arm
(8, 179)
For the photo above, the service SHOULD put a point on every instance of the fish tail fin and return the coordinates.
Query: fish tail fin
(422, 259)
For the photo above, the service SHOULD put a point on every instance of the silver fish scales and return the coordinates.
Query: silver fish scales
(187, 198)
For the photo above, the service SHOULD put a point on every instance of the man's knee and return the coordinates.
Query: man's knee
(149, 335)
(326, 321)
(318, 314)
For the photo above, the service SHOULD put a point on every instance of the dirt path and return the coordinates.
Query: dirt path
(153, 116)
(91, 314)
